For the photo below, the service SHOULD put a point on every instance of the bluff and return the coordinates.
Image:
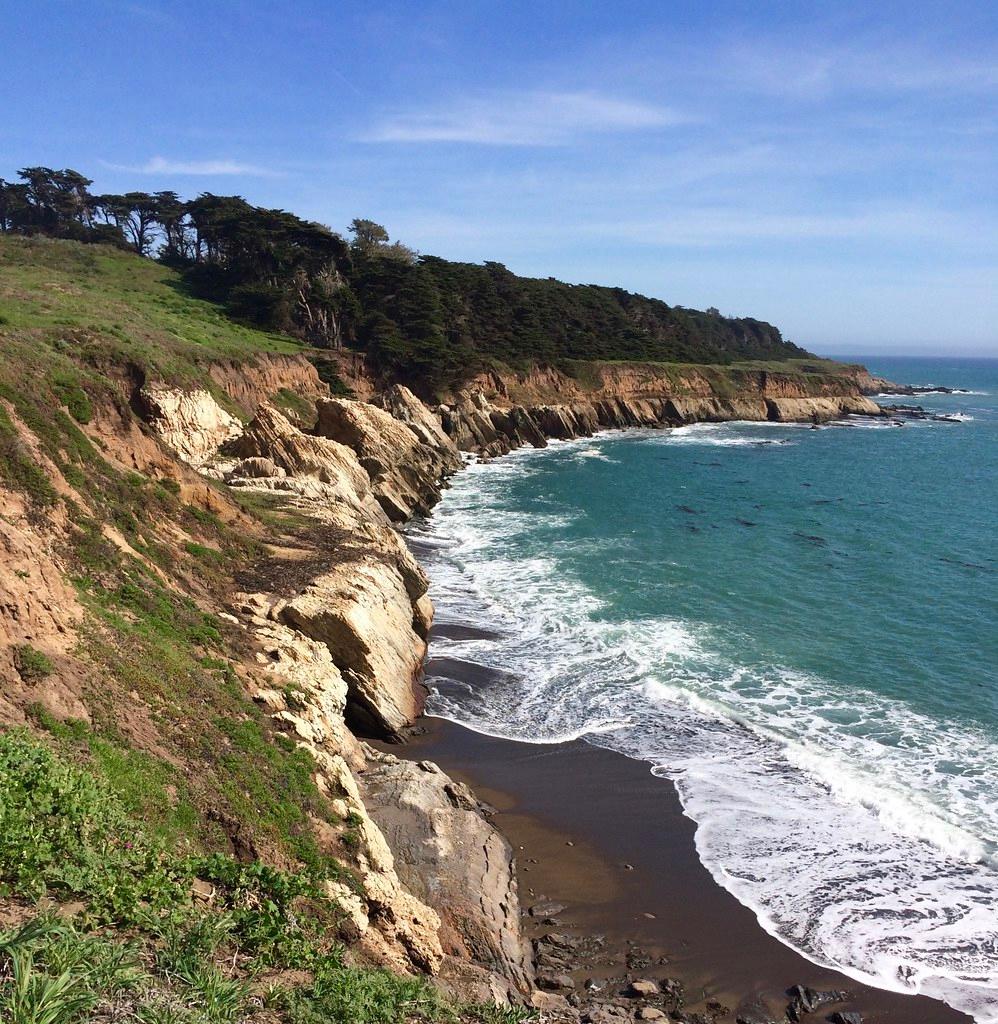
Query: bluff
(208, 611)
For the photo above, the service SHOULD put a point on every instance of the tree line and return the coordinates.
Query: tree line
(429, 321)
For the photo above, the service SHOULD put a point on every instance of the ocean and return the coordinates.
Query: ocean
(798, 627)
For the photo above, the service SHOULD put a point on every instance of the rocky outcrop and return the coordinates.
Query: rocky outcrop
(488, 420)
(451, 857)
(192, 423)
(820, 410)
(425, 424)
(339, 638)
(273, 454)
(406, 473)
(364, 615)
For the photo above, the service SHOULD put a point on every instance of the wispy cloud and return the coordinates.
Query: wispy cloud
(205, 168)
(525, 119)
(722, 226)
(864, 66)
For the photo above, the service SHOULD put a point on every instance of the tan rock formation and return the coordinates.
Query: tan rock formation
(450, 856)
(192, 423)
(365, 617)
(393, 927)
(408, 409)
(405, 473)
(820, 410)
(302, 463)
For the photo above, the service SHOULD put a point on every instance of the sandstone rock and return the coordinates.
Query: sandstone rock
(547, 908)
(650, 1013)
(450, 856)
(463, 981)
(468, 423)
(607, 1013)
(365, 618)
(644, 988)
(405, 473)
(426, 425)
(192, 423)
(557, 982)
(548, 1002)
(698, 410)
(402, 932)
(305, 668)
(304, 464)
(802, 410)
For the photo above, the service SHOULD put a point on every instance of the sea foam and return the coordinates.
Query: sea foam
(861, 832)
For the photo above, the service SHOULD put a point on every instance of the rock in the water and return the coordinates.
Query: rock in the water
(547, 908)
(806, 1000)
(846, 1018)
(756, 1010)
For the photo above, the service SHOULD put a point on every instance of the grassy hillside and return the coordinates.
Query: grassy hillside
(424, 320)
(106, 309)
(164, 852)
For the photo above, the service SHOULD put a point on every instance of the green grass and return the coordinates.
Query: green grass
(144, 945)
(32, 665)
(106, 307)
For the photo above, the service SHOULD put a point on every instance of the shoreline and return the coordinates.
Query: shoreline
(596, 831)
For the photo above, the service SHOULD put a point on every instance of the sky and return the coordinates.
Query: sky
(832, 168)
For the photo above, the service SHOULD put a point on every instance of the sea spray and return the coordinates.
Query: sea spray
(795, 626)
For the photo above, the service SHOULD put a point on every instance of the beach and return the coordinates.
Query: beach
(595, 831)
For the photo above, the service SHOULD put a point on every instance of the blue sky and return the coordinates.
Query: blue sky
(832, 168)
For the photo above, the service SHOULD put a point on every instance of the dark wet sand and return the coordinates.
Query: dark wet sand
(583, 813)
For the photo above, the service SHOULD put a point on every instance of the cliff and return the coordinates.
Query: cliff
(208, 609)
(502, 410)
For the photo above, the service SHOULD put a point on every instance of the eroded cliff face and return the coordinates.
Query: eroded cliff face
(330, 624)
(499, 412)
(340, 636)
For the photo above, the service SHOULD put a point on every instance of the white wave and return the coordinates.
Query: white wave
(861, 833)
(723, 435)
(593, 453)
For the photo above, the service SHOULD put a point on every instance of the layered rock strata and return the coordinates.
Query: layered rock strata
(340, 630)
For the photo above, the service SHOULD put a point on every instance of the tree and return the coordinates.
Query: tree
(367, 234)
(135, 214)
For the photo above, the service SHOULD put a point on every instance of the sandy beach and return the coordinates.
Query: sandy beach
(594, 830)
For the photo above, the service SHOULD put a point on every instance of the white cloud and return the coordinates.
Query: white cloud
(818, 72)
(719, 226)
(163, 165)
(525, 119)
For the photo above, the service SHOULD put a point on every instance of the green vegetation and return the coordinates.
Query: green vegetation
(32, 665)
(139, 930)
(422, 319)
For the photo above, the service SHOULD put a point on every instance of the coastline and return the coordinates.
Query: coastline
(577, 814)
(367, 468)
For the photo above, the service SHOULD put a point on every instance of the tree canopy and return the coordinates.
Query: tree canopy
(425, 320)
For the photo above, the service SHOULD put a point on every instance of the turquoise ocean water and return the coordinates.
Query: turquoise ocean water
(799, 627)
